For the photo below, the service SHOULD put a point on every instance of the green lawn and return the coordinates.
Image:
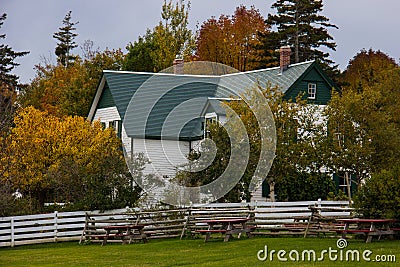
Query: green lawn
(191, 252)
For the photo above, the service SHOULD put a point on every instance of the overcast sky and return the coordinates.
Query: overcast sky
(30, 24)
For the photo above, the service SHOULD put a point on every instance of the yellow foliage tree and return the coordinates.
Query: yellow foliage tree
(65, 159)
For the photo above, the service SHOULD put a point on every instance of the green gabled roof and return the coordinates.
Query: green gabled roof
(155, 105)
(122, 86)
(283, 80)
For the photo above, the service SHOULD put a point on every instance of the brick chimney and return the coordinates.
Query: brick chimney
(178, 65)
(285, 53)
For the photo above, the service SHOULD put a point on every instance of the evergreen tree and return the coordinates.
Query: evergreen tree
(8, 85)
(299, 25)
(7, 56)
(66, 41)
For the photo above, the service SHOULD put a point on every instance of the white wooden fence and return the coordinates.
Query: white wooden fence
(69, 226)
(41, 228)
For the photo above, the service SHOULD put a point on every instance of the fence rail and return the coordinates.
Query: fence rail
(73, 226)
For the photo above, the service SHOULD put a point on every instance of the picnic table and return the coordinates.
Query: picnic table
(316, 216)
(368, 227)
(227, 226)
(125, 232)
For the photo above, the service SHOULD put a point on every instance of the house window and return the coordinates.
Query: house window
(338, 136)
(341, 181)
(113, 124)
(117, 126)
(209, 119)
(312, 90)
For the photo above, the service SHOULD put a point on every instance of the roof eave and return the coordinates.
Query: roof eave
(96, 98)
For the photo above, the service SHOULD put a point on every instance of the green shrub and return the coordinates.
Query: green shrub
(380, 196)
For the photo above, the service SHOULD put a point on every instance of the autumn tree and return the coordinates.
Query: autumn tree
(158, 48)
(364, 119)
(232, 40)
(69, 91)
(66, 41)
(66, 160)
(370, 104)
(366, 69)
(299, 24)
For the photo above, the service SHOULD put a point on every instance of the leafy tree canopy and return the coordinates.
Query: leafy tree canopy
(158, 48)
(69, 91)
(364, 119)
(66, 160)
(232, 40)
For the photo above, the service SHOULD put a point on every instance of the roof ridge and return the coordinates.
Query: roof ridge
(272, 68)
(197, 75)
(160, 73)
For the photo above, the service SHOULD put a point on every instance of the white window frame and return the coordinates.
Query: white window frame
(209, 117)
(312, 90)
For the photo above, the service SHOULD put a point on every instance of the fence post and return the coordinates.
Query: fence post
(55, 226)
(12, 232)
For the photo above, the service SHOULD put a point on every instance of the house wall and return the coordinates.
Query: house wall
(323, 89)
(165, 155)
(106, 114)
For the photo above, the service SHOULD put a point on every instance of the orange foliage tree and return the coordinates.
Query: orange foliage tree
(69, 90)
(232, 40)
(366, 69)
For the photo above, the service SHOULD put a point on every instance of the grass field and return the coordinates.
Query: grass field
(194, 252)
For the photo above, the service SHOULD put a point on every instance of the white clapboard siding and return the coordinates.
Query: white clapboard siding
(166, 156)
(107, 114)
(126, 141)
(256, 196)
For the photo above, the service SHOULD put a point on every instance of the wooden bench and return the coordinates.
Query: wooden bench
(228, 226)
(211, 231)
(199, 215)
(367, 227)
(124, 231)
(354, 231)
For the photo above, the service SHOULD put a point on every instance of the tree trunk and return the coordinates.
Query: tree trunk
(271, 191)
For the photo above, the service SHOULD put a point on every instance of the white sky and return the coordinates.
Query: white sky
(30, 24)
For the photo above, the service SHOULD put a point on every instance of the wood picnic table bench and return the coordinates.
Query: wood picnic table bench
(227, 226)
(127, 233)
(367, 227)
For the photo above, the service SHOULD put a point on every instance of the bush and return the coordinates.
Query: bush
(380, 196)
(303, 186)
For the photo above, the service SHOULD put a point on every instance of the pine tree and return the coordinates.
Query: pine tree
(66, 41)
(7, 56)
(300, 26)
(8, 85)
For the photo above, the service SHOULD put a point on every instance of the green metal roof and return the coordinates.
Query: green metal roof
(155, 105)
